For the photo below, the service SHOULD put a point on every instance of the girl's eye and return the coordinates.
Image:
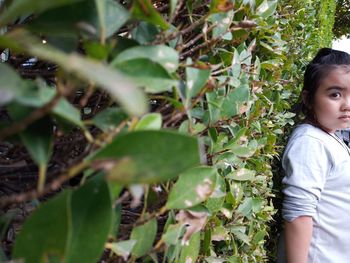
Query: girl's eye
(335, 95)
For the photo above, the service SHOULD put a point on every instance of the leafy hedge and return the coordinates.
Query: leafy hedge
(341, 23)
(326, 19)
(219, 78)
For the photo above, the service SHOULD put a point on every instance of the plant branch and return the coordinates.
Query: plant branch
(51, 187)
(181, 32)
(176, 12)
(210, 42)
(199, 36)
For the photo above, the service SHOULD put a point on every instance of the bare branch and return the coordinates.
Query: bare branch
(51, 187)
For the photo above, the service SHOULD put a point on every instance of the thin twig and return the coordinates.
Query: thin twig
(220, 71)
(157, 214)
(176, 12)
(84, 100)
(199, 36)
(175, 118)
(51, 187)
(121, 199)
(209, 43)
(181, 32)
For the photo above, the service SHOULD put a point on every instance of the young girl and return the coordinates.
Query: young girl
(316, 206)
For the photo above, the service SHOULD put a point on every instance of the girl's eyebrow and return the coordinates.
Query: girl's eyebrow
(335, 87)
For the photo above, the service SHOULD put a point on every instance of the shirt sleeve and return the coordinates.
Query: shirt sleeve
(306, 163)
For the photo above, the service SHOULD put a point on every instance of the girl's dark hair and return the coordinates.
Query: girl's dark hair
(325, 61)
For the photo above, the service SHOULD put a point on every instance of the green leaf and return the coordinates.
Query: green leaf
(246, 207)
(235, 100)
(257, 204)
(176, 41)
(190, 253)
(38, 139)
(220, 233)
(173, 4)
(172, 252)
(242, 174)
(121, 44)
(145, 11)
(193, 187)
(260, 236)
(215, 204)
(144, 236)
(92, 218)
(148, 74)
(117, 216)
(214, 106)
(145, 33)
(213, 259)
(108, 11)
(123, 248)
(257, 68)
(196, 79)
(243, 151)
(109, 118)
(12, 84)
(267, 46)
(46, 232)
(220, 188)
(236, 65)
(149, 156)
(66, 111)
(227, 210)
(217, 198)
(129, 96)
(164, 55)
(65, 43)
(266, 8)
(236, 193)
(91, 17)
(223, 22)
(25, 7)
(173, 234)
(96, 50)
(69, 224)
(151, 121)
(239, 234)
(38, 97)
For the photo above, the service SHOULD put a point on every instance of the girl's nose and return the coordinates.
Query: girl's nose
(346, 104)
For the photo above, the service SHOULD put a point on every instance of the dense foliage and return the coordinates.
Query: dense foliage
(180, 108)
(342, 19)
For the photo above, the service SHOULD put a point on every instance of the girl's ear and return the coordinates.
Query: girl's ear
(304, 97)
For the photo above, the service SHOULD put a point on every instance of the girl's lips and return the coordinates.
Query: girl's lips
(347, 117)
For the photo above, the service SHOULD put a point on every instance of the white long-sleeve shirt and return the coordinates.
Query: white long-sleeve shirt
(317, 184)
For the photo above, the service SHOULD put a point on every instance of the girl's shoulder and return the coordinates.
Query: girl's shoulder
(308, 131)
(310, 140)
(308, 143)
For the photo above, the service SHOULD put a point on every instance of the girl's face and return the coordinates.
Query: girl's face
(332, 100)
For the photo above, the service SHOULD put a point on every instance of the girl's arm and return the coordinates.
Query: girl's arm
(297, 239)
